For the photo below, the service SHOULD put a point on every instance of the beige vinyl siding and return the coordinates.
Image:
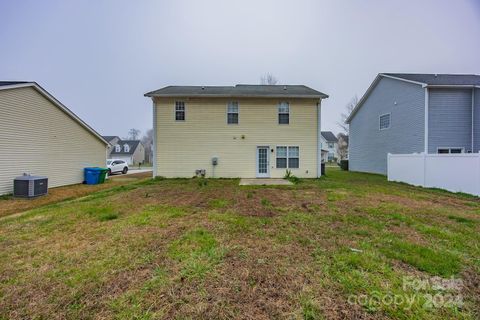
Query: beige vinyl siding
(139, 154)
(183, 147)
(39, 138)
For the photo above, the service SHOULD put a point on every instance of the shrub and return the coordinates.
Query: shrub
(344, 165)
(291, 177)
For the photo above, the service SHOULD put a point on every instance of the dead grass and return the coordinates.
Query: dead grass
(180, 249)
(10, 205)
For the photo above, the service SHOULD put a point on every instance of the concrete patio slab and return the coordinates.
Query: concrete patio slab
(264, 182)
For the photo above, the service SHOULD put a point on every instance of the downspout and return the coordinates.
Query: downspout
(473, 113)
(319, 132)
(426, 122)
(154, 149)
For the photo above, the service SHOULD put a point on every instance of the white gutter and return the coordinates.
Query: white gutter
(154, 149)
(473, 113)
(402, 79)
(426, 121)
(456, 86)
(319, 133)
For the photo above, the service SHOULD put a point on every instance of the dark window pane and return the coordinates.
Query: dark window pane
(283, 118)
(281, 163)
(456, 150)
(385, 121)
(180, 115)
(232, 118)
(443, 151)
(293, 162)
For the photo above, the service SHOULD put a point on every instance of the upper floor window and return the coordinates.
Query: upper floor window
(232, 113)
(385, 121)
(126, 148)
(179, 111)
(330, 145)
(283, 113)
(118, 148)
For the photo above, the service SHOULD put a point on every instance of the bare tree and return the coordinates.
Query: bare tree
(344, 115)
(342, 145)
(133, 134)
(147, 141)
(268, 79)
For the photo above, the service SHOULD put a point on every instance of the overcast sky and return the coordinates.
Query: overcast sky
(100, 57)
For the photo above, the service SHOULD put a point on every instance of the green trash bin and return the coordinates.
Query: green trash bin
(103, 175)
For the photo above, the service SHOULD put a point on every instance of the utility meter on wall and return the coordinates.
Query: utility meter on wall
(214, 161)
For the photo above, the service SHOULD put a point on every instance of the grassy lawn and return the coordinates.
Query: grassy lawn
(340, 247)
(10, 205)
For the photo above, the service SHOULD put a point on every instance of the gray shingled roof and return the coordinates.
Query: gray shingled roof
(329, 136)
(10, 83)
(240, 90)
(110, 138)
(131, 143)
(439, 79)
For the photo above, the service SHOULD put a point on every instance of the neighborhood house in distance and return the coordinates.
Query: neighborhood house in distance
(42, 137)
(330, 143)
(411, 113)
(131, 151)
(242, 131)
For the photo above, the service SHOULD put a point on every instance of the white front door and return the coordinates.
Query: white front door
(263, 163)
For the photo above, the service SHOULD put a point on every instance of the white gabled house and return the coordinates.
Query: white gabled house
(330, 143)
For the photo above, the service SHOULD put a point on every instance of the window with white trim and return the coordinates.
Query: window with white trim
(126, 148)
(385, 121)
(281, 157)
(118, 148)
(288, 157)
(232, 113)
(293, 157)
(179, 111)
(283, 113)
(450, 150)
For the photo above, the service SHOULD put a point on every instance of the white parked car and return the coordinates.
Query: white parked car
(116, 165)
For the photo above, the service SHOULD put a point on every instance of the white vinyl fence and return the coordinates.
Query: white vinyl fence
(452, 172)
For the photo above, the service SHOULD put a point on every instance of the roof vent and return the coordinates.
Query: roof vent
(436, 75)
(284, 87)
(203, 88)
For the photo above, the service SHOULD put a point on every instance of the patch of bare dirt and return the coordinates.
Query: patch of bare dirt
(409, 234)
(471, 289)
(252, 202)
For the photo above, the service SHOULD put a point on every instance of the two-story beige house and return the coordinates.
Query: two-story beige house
(243, 131)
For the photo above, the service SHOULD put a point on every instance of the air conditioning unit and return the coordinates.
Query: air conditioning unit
(30, 186)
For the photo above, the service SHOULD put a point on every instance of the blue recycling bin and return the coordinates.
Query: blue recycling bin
(92, 175)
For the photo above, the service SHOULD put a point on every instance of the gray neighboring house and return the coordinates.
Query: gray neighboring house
(406, 113)
(132, 151)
